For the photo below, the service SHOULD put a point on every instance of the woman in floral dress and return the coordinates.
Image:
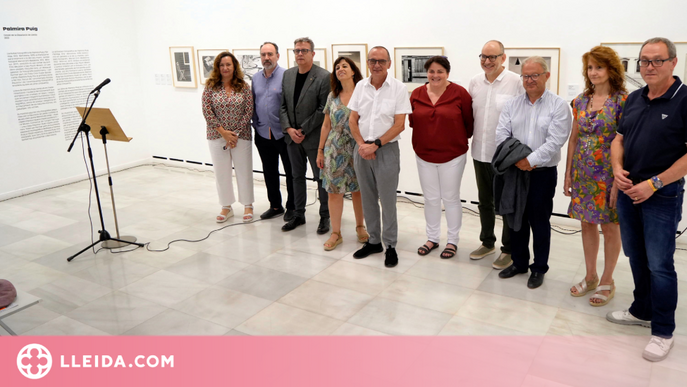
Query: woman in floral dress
(588, 174)
(335, 153)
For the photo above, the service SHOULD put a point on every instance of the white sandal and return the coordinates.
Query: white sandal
(585, 287)
(223, 218)
(604, 299)
(247, 218)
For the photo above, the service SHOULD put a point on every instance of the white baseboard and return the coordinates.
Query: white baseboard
(69, 180)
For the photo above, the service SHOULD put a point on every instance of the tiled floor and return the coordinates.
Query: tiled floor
(255, 279)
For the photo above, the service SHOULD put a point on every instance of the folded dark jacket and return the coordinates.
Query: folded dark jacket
(510, 183)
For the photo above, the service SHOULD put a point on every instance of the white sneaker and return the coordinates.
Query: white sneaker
(625, 318)
(658, 348)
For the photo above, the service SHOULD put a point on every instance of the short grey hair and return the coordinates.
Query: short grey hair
(276, 48)
(672, 51)
(503, 49)
(537, 59)
(381, 48)
(305, 40)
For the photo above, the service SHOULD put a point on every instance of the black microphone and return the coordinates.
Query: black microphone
(100, 86)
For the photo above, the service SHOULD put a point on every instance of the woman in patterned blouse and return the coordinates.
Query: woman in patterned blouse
(228, 107)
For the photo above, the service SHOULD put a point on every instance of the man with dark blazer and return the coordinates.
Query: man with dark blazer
(304, 94)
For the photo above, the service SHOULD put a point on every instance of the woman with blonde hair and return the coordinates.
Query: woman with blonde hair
(589, 175)
(228, 107)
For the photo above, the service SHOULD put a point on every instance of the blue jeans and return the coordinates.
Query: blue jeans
(648, 234)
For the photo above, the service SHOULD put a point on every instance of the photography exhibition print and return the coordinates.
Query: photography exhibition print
(183, 67)
(356, 52)
(249, 59)
(552, 55)
(206, 59)
(410, 64)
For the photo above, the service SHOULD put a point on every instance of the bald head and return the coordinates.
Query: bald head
(496, 45)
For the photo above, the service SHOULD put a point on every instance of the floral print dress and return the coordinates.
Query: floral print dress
(338, 175)
(592, 174)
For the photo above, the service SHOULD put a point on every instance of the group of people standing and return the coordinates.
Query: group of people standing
(624, 168)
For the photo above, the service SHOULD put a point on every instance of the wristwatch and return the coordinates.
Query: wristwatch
(658, 184)
(378, 142)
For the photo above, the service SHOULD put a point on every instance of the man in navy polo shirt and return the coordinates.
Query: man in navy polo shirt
(652, 134)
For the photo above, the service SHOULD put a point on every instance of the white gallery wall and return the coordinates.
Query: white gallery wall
(129, 42)
(107, 33)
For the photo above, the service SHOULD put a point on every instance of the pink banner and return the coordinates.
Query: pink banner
(319, 361)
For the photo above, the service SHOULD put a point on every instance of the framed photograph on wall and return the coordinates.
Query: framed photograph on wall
(250, 62)
(206, 59)
(410, 64)
(552, 55)
(356, 52)
(629, 57)
(320, 58)
(183, 67)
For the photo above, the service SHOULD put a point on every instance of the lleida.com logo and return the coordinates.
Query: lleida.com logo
(34, 361)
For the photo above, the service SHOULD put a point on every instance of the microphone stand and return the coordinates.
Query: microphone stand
(104, 235)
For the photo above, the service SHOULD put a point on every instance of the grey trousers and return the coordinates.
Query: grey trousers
(378, 181)
(299, 158)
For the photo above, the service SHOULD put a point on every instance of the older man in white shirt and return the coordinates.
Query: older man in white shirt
(541, 120)
(379, 106)
(490, 90)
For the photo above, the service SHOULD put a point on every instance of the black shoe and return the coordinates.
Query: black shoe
(367, 249)
(293, 223)
(536, 280)
(289, 215)
(391, 259)
(323, 227)
(271, 213)
(511, 271)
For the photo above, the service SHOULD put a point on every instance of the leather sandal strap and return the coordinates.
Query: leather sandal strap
(599, 296)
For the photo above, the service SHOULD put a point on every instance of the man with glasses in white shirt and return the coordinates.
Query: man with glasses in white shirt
(379, 106)
(490, 90)
(541, 120)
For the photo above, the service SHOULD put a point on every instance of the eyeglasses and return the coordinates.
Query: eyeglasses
(299, 50)
(533, 77)
(655, 62)
(490, 57)
(373, 62)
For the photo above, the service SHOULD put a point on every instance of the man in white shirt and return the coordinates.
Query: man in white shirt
(379, 106)
(490, 91)
(541, 120)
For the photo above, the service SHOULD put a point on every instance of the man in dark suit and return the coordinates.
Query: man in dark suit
(304, 94)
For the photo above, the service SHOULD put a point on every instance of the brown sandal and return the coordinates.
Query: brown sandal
(449, 253)
(328, 246)
(425, 249)
(364, 236)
